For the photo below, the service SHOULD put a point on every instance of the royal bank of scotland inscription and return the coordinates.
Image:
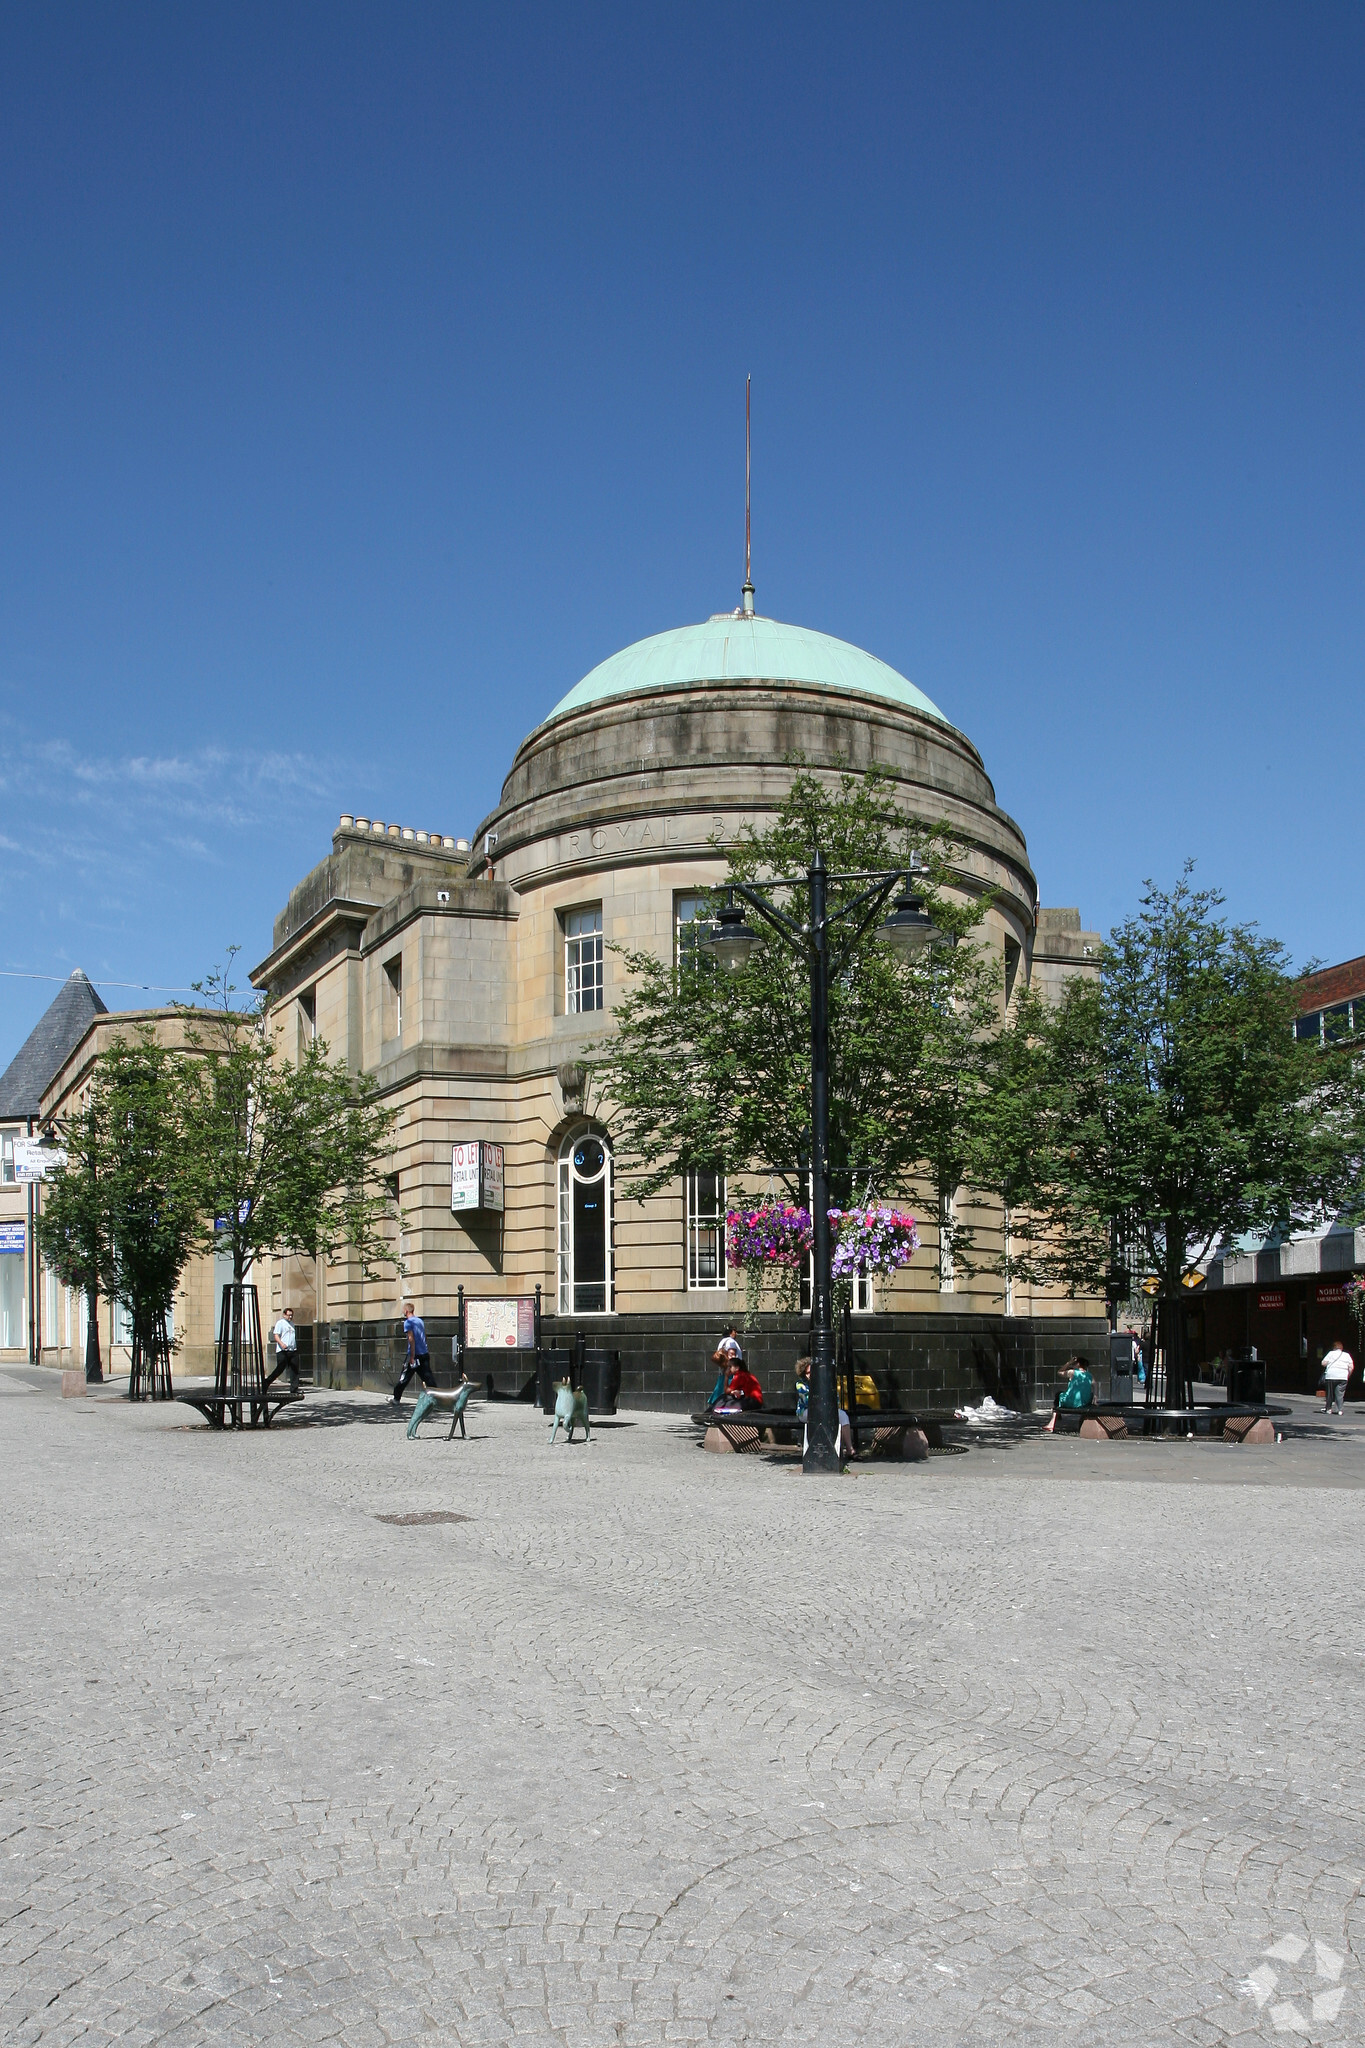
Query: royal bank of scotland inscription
(645, 835)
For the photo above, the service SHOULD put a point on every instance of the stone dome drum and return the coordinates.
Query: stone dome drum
(681, 739)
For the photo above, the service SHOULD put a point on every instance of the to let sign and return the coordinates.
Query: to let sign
(476, 1180)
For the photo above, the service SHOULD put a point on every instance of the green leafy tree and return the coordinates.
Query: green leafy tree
(1167, 1104)
(122, 1215)
(73, 1231)
(706, 1069)
(290, 1158)
(151, 1185)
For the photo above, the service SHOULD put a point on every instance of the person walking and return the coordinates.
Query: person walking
(287, 1347)
(415, 1330)
(1337, 1367)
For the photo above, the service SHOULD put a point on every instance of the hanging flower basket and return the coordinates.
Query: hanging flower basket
(878, 1239)
(770, 1245)
(775, 1235)
(1355, 1301)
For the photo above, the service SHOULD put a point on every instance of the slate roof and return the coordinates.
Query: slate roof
(53, 1038)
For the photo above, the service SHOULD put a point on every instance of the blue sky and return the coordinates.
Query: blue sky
(369, 373)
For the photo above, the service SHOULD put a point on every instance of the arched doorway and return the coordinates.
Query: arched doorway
(585, 1225)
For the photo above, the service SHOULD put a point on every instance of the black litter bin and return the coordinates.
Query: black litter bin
(1246, 1381)
(602, 1381)
(1122, 1364)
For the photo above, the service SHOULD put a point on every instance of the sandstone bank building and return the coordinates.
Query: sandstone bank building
(475, 981)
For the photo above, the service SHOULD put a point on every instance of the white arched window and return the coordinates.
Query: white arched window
(585, 1225)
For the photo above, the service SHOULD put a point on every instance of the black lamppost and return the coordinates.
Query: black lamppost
(733, 941)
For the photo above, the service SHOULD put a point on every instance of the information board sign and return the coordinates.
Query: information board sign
(11, 1237)
(508, 1325)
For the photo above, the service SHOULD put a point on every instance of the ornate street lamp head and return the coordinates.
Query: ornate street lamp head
(909, 930)
(732, 938)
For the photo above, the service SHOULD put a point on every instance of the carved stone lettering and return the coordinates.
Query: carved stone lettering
(599, 839)
(646, 836)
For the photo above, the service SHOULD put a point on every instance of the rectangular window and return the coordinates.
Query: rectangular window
(705, 1229)
(7, 1156)
(692, 920)
(1336, 1023)
(863, 1304)
(1309, 1027)
(582, 960)
(13, 1319)
(308, 1020)
(947, 1218)
(393, 997)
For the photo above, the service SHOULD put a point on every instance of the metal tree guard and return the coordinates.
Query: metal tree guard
(240, 1374)
(149, 1378)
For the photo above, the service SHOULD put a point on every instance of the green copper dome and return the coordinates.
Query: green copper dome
(740, 648)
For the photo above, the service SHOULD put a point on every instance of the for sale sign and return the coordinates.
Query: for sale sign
(35, 1161)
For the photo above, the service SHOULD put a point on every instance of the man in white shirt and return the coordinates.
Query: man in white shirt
(1337, 1367)
(287, 1347)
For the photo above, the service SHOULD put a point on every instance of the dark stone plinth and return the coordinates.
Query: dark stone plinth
(929, 1363)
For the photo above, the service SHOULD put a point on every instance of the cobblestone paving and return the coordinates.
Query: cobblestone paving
(1051, 1742)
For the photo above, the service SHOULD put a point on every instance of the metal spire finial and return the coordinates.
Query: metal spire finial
(747, 603)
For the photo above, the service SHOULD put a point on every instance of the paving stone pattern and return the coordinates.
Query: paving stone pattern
(1051, 1742)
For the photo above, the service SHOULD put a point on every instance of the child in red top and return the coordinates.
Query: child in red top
(741, 1386)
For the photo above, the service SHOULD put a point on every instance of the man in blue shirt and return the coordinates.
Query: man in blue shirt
(414, 1329)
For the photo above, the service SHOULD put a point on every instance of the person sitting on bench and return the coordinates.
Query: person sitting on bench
(742, 1389)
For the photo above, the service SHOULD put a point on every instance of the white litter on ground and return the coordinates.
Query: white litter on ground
(989, 1411)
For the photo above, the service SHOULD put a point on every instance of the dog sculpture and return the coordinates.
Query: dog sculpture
(571, 1408)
